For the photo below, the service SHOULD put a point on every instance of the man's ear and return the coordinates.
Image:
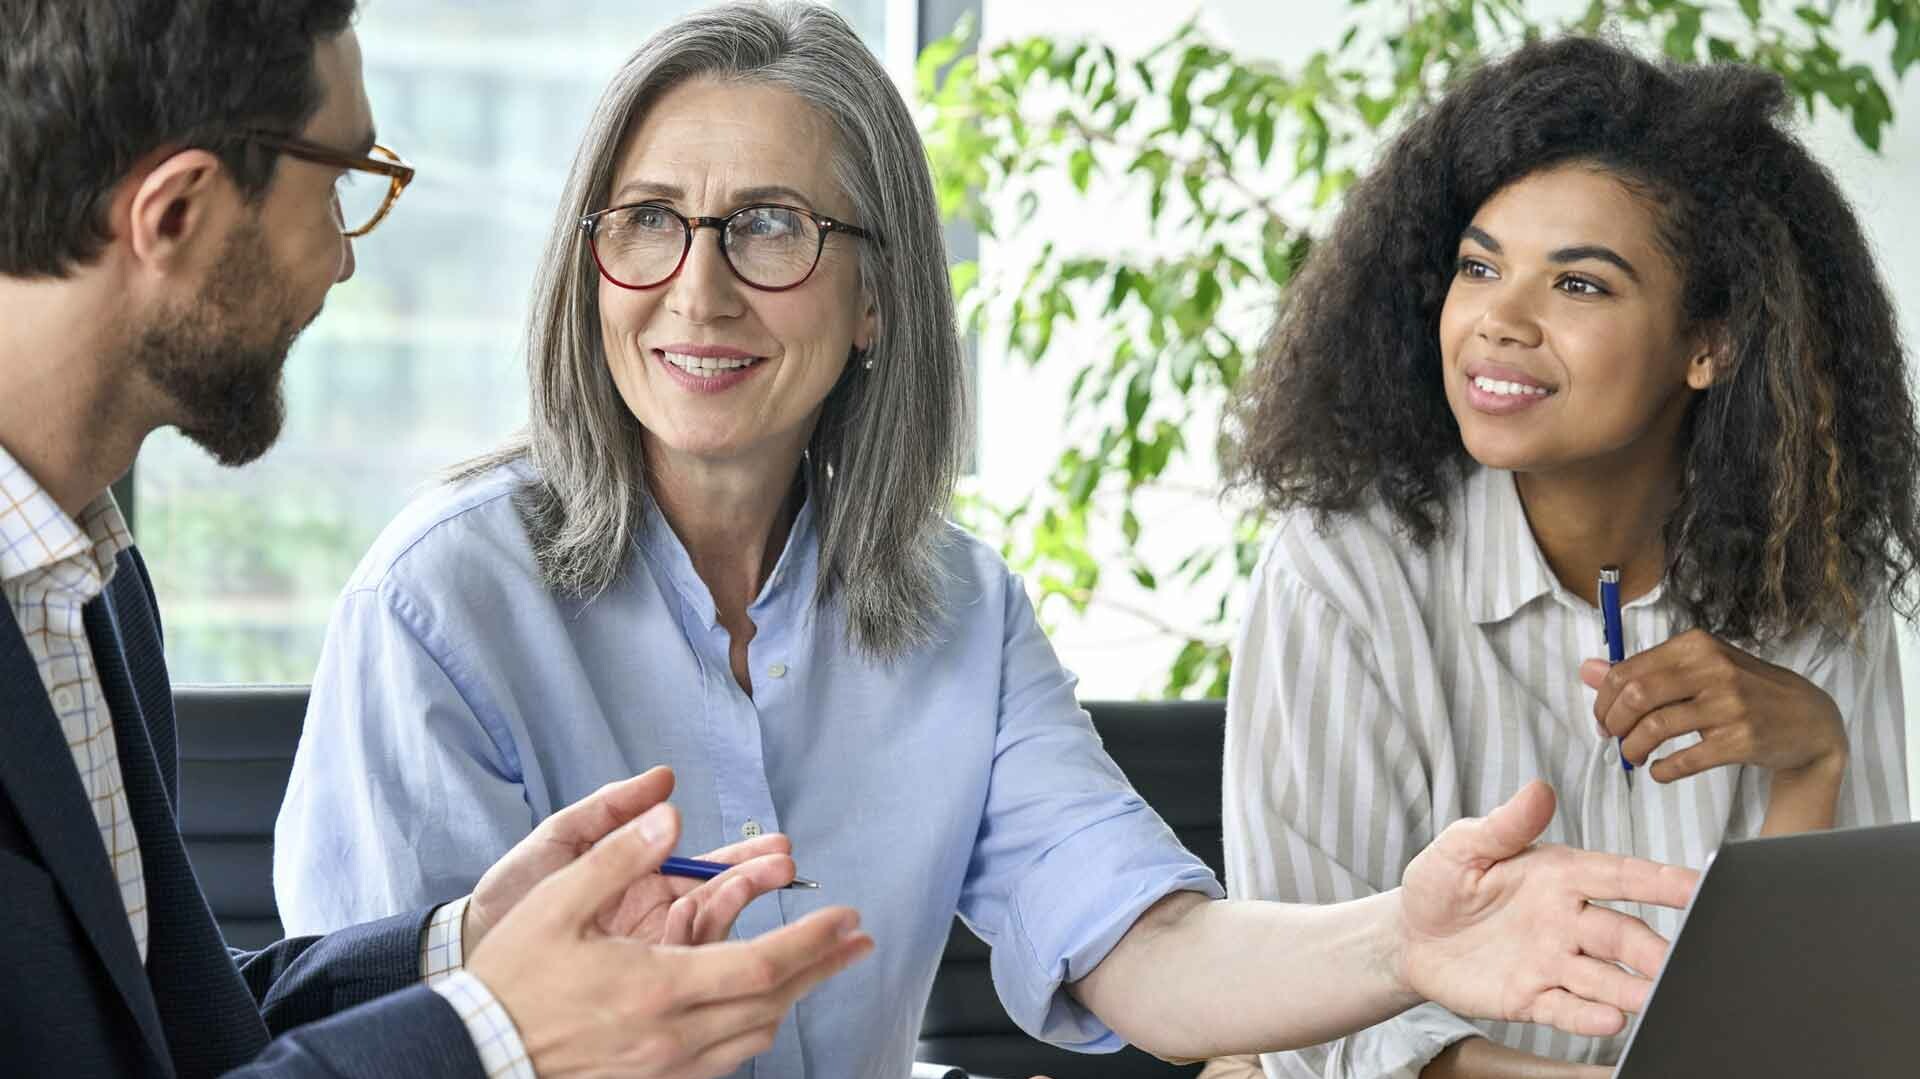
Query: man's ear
(177, 206)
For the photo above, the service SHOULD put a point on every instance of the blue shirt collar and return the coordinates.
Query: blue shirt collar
(788, 588)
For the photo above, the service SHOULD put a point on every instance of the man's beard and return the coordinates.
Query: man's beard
(211, 362)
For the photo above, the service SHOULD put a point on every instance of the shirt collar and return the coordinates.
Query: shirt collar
(790, 581)
(1505, 569)
(36, 534)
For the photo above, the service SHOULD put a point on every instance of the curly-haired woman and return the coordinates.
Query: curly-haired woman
(1586, 311)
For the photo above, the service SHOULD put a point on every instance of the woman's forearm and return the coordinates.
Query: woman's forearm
(1478, 1058)
(1178, 983)
(1241, 1067)
(1804, 799)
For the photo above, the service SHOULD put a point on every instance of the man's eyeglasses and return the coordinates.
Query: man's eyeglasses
(364, 193)
(768, 246)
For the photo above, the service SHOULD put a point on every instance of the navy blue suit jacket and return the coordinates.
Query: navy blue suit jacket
(75, 999)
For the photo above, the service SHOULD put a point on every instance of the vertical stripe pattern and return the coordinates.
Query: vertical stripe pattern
(1381, 691)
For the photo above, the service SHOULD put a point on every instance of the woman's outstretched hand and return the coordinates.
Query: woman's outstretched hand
(1498, 928)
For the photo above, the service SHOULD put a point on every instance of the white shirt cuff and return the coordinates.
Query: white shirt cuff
(441, 950)
(443, 959)
(502, 1054)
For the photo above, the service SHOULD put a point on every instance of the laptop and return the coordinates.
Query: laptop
(1798, 957)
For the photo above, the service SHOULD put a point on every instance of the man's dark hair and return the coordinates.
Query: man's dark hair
(1798, 500)
(88, 87)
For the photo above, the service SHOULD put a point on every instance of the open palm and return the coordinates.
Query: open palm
(1499, 928)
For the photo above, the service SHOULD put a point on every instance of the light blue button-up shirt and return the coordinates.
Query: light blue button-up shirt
(459, 702)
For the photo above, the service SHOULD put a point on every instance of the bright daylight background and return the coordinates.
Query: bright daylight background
(417, 361)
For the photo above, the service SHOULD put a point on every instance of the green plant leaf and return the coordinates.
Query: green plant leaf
(1139, 393)
(1684, 34)
(1079, 168)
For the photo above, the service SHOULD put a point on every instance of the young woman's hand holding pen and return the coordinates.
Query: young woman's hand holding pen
(1746, 711)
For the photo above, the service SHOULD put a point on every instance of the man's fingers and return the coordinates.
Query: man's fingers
(710, 1032)
(735, 969)
(599, 878)
(1592, 980)
(1504, 832)
(583, 823)
(1611, 877)
(717, 911)
(707, 916)
(1621, 938)
(851, 948)
(717, 902)
(680, 919)
(726, 1056)
(1559, 1008)
(764, 873)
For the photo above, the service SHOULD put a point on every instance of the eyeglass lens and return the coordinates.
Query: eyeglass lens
(361, 195)
(769, 246)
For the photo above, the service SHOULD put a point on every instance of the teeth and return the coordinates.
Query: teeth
(707, 365)
(1508, 389)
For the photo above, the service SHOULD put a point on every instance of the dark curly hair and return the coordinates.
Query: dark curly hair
(1800, 459)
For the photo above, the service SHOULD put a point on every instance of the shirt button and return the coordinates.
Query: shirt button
(750, 830)
(778, 670)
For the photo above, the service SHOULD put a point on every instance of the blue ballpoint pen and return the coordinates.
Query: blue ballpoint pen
(1616, 640)
(699, 870)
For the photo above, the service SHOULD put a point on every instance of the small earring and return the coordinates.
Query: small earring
(865, 356)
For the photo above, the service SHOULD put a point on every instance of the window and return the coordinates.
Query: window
(416, 364)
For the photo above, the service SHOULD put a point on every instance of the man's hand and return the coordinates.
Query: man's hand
(590, 1001)
(1500, 929)
(655, 908)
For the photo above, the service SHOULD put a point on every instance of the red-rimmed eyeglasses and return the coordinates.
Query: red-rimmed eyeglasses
(767, 245)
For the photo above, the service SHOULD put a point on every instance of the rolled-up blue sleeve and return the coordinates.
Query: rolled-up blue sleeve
(1068, 856)
(401, 795)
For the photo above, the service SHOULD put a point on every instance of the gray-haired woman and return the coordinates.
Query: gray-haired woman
(721, 547)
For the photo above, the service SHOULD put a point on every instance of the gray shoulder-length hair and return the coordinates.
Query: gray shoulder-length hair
(884, 457)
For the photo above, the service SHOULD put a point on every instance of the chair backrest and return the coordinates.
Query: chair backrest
(236, 752)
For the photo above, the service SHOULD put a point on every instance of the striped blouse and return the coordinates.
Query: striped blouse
(1382, 690)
